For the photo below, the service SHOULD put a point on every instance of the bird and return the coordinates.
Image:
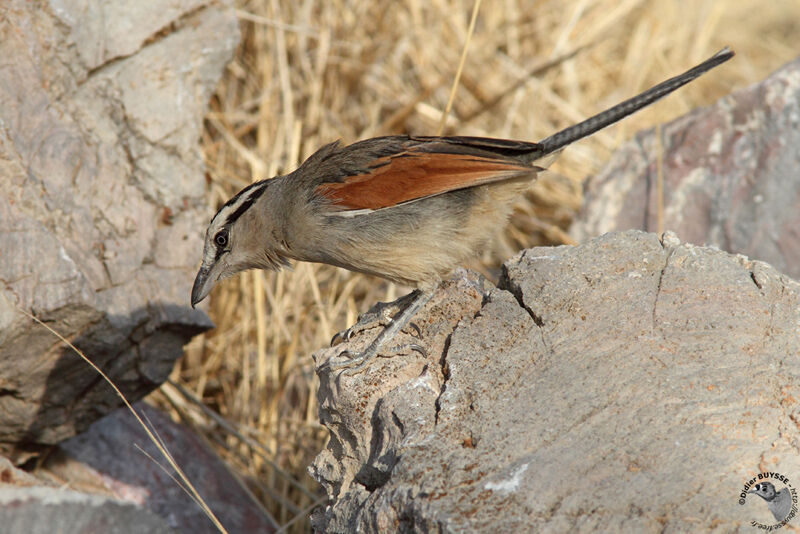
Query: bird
(779, 503)
(406, 208)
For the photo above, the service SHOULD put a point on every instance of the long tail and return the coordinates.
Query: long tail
(610, 116)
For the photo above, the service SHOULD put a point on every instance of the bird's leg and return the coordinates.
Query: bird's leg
(381, 316)
(396, 324)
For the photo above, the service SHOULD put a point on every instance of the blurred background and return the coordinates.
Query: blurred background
(308, 72)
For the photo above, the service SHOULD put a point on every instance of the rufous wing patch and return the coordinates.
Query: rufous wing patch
(414, 175)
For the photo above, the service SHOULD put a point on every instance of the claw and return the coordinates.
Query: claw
(348, 333)
(413, 347)
(337, 335)
(418, 348)
(415, 327)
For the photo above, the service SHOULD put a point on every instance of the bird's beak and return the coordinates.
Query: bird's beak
(202, 285)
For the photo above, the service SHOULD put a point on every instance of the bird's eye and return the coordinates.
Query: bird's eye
(221, 239)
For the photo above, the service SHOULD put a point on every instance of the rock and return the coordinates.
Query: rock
(102, 201)
(11, 476)
(40, 510)
(730, 176)
(31, 505)
(115, 487)
(629, 384)
(107, 460)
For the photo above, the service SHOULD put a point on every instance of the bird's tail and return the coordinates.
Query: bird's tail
(569, 135)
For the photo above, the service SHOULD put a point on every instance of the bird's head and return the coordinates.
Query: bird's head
(765, 490)
(244, 234)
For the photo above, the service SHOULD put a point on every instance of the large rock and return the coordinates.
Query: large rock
(101, 205)
(30, 505)
(731, 176)
(113, 479)
(115, 457)
(44, 510)
(629, 384)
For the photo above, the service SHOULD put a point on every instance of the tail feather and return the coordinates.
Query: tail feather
(583, 129)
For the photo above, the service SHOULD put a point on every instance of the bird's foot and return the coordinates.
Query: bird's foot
(380, 315)
(358, 362)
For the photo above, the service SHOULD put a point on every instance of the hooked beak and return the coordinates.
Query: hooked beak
(202, 285)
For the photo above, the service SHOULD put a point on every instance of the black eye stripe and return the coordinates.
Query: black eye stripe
(220, 252)
(252, 192)
(221, 242)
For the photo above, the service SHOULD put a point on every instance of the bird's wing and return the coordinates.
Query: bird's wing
(386, 172)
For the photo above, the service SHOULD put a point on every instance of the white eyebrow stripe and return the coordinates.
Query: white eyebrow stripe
(247, 196)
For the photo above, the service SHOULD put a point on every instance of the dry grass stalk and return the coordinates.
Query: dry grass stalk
(179, 477)
(312, 71)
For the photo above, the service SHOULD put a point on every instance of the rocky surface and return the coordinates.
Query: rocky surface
(108, 460)
(44, 510)
(730, 175)
(112, 479)
(629, 384)
(102, 203)
(32, 505)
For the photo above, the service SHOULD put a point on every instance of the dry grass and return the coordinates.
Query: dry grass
(311, 71)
